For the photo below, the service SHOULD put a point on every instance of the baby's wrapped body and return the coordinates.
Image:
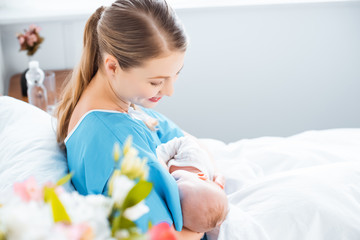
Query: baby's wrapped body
(203, 202)
(185, 153)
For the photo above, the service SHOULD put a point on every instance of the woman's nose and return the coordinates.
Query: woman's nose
(168, 88)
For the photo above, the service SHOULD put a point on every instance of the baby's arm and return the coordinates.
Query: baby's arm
(167, 151)
(218, 177)
(187, 153)
(180, 153)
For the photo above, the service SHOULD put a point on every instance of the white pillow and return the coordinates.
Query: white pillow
(28, 146)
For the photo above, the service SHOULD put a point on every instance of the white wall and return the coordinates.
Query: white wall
(60, 49)
(2, 70)
(269, 70)
(250, 71)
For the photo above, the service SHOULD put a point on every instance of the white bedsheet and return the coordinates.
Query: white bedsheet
(302, 187)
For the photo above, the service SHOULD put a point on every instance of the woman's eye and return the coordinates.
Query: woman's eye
(155, 83)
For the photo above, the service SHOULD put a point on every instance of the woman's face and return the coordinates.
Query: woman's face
(146, 85)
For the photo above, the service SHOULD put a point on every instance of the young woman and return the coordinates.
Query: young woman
(133, 53)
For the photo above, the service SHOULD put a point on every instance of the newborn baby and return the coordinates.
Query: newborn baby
(203, 202)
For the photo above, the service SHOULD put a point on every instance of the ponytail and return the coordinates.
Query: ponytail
(81, 76)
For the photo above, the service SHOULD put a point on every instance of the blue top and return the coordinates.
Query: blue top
(90, 157)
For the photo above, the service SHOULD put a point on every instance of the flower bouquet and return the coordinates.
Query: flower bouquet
(30, 40)
(49, 212)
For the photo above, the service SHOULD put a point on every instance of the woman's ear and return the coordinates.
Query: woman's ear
(111, 65)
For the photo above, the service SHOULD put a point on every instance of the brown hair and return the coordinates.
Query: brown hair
(132, 31)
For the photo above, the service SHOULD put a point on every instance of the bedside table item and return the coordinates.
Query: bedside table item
(37, 94)
(50, 85)
(15, 87)
(23, 84)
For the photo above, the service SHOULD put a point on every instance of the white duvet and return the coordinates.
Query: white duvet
(302, 187)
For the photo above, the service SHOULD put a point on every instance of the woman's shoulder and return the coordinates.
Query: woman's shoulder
(98, 120)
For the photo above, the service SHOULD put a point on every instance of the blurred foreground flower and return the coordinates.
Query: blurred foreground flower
(162, 231)
(49, 212)
(128, 188)
(28, 190)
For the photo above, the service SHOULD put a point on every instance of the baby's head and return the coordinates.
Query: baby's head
(204, 204)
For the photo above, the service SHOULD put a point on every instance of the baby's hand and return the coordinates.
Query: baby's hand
(167, 151)
(219, 179)
(185, 151)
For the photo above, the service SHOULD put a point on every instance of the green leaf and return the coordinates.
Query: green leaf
(138, 193)
(135, 235)
(2, 236)
(115, 225)
(58, 209)
(65, 179)
(46, 194)
(126, 223)
(120, 222)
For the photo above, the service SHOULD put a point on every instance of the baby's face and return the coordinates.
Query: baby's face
(202, 201)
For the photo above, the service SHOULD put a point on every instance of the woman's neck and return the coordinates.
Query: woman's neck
(101, 95)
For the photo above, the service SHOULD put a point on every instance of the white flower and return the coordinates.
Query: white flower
(129, 157)
(117, 151)
(132, 166)
(26, 220)
(122, 234)
(121, 187)
(90, 209)
(135, 212)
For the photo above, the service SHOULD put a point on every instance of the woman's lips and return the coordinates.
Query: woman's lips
(154, 99)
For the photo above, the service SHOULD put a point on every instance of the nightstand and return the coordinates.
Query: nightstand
(15, 86)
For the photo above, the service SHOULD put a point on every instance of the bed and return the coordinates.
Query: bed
(306, 186)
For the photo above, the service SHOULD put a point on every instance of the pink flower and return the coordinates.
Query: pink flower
(21, 39)
(34, 29)
(28, 190)
(80, 231)
(162, 231)
(32, 38)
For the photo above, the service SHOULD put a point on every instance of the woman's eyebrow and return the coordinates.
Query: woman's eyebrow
(166, 76)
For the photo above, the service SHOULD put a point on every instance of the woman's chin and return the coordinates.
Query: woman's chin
(147, 104)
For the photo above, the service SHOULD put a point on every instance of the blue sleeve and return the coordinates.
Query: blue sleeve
(167, 128)
(90, 157)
